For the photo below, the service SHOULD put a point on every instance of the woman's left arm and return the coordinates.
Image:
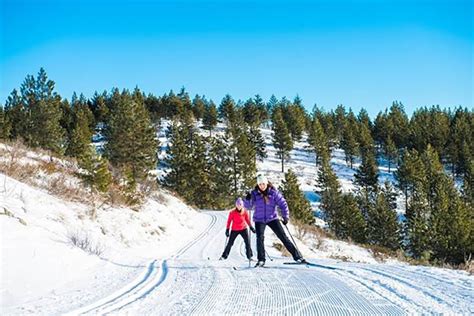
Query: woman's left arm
(281, 202)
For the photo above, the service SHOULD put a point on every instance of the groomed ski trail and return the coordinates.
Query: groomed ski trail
(195, 282)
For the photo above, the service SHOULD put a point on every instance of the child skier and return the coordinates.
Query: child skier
(239, 218)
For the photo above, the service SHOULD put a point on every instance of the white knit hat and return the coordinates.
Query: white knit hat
(262, 179)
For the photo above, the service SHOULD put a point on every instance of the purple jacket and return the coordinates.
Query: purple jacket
(266, 212)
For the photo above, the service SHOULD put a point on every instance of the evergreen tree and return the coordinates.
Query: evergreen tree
(15, 111)
(209, 120)
(382, 225)
(366, 175)
(242, 155)
(220, 173)
(317, 139)
(364, 119)
(39, 110)
(339, 119)
(81, 135)
(199, 180)
(468, 184)
(329, 190)
(5, 125)
(99, 107)
(281, 138)
(97, 175)
(349, 222)
(300, 208)
(131, 138)
(199, 107)
(410, 172)
(179, 159)
(416, 228)
(256, 138)
(295, 117)
(349, 143)
(391, 152)
(227, 108)
(46, 131)
(451, 223)
(399, 120)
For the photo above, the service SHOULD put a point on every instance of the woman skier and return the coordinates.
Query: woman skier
(265, 198)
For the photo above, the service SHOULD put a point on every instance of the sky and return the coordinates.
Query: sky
(362, 54)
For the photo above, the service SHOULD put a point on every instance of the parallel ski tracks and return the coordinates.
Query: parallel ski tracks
(149, 280)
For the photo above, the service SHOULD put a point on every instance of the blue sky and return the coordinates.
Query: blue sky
(357, 53)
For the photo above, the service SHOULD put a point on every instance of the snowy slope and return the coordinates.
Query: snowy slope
(163, 260)
(40, 266)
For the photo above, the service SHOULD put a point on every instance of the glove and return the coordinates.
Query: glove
(252, 229)
(227, 232)
(285, 221)
(248, 197)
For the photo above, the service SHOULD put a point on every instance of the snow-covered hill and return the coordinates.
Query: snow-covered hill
(161, 259)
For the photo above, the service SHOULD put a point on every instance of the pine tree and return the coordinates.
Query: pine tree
(349, 143)
(349, 222)
(220, 173)
(451, 223)
(5, 125)
(242, 155)
(410, 171)
(295, 117)
(329, 190)
(317, 139)
(399, 120)
(468, 184)
(131, 138)
(339, 122)
(16, 113)
(227, 108)
(179, 159)
(258, 142)
(366, 175)
(199, 181)
(209, 120)
(391, 152)
(99, 107)
(46, 131)
(81, 135)
(97, 175)
(382, 225)
(41, 113)
(300, 208)
(199, 107)
(281, 138)
(416, 228)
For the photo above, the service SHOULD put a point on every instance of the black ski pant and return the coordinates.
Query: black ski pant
(233, 234)
(277, 228)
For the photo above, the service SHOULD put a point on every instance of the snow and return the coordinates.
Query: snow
(162, 259)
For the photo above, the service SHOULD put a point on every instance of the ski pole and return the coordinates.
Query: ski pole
(294, 243)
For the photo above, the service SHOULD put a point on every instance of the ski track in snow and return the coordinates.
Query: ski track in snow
(194, 282)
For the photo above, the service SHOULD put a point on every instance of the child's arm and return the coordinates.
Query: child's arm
(229, 220)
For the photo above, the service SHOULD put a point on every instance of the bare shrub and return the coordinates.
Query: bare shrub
(282, 249)
(468, 266)
(85, 242)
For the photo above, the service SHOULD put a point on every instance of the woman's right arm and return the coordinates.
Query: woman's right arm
(249, 201)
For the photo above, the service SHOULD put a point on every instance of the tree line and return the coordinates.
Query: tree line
(430, 153)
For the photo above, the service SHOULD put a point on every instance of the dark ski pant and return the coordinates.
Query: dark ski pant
(233, 234)
(275, 225)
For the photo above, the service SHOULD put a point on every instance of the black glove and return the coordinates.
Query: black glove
(227, 232)
(252, 229)
(248, 197)
(285, 221)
